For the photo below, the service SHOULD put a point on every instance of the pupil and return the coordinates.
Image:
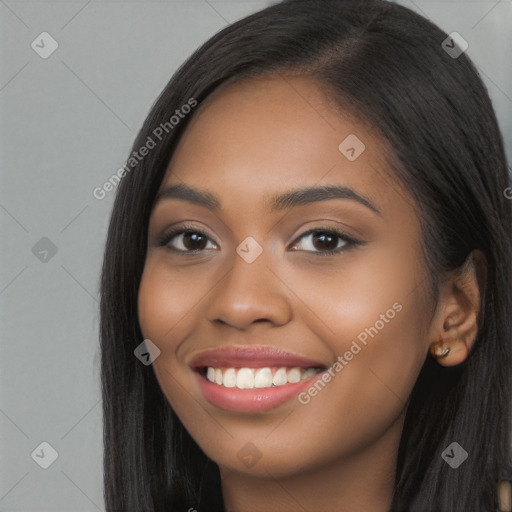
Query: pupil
(193, 239)
(322, 238)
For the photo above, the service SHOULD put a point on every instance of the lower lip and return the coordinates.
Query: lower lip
(251, 400)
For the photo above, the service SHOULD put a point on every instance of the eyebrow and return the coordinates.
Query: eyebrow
(283, 201)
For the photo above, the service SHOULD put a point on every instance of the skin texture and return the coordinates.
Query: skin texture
(251, 140)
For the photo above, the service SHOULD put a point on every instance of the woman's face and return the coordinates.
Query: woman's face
(254, 275)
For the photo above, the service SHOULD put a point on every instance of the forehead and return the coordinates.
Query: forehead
(262, 135)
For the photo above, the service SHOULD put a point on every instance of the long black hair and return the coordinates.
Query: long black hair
(386, 65)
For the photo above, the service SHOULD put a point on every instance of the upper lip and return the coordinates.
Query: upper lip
(258, 356)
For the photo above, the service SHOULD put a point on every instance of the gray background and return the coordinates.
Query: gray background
(67, 124)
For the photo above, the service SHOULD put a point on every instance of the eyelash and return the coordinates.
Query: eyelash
(350, 241)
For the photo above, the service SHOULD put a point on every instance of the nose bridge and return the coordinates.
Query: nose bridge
(250, 267)
(249, 276)
(250, 291)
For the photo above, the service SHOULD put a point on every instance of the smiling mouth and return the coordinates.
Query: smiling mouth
(252, 378)
(257, 378)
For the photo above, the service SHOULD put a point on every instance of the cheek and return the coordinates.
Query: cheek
(374, 313)
(155, 306)
(165, 307)
(164, 301)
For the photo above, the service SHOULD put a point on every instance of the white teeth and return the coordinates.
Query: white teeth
(293, 375)
(245, 378)
(229, 378)
(263, 378)
(250, 378)
(280, 377)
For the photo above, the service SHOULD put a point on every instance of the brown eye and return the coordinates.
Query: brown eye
(185, 240)
(326, 241)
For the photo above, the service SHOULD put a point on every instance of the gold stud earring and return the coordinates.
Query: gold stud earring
(441, 352)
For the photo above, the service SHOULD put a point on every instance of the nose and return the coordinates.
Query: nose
(250, 293)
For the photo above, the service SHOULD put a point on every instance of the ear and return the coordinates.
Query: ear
(457, 319)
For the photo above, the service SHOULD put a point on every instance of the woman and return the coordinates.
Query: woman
(312, 261)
